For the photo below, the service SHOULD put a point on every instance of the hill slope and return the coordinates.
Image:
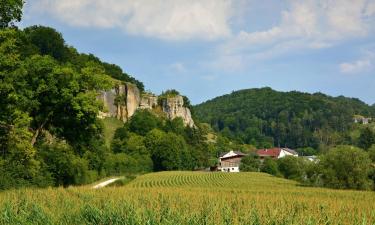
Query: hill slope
(264, 117)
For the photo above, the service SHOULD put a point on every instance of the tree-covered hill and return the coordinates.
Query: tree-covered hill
(50, 132)
(265, 117)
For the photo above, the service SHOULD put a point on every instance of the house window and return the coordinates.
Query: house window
(232, 168)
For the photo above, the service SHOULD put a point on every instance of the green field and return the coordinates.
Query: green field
(190, 198)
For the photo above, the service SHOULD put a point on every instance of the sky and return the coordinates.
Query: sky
(207, 48)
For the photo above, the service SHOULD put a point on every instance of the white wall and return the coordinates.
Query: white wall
(231, 169)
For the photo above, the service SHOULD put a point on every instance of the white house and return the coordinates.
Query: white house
(230, 161)
(276, 153)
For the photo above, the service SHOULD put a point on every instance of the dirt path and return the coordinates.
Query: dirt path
(105, 183)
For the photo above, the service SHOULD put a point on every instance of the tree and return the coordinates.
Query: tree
(308, 151)
(250, 163)
(292, 167)
(48, 41)
(168, 151)
(10, 12)
(65, 167)
(270, 166)
(143, 121)
(366, 139)
(345, 167)
(371, 152)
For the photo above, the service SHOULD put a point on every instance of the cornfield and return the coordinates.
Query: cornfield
(190, 198)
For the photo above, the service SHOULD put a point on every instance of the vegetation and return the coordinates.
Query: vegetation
(49, 130)
(110, 125)
(190, 198)
(157, 143)
(264, 118)
(342, 167)
(10, 12)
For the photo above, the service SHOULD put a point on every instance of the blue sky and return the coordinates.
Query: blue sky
(207, 48)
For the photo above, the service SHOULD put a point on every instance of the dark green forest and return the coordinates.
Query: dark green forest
(265, 117)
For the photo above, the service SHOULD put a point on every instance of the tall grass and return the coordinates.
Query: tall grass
(190, 198)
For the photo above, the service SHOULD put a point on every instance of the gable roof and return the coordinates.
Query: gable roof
(231, 154)
(273, 152)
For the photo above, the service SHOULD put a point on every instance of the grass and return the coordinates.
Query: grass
(111, 124)
(190, 198)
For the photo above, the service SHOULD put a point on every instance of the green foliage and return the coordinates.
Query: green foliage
(65, 167)
(157, 143)
(366, 138)
(48, 42)
(250, 163)
(143, 121)
(49, 88)
(371, 153)
(168, 151)
(110, 125)
(120, 163)
(308, 151)
(293, 167)
(10, 12)
(345, 167)
(270, 166)
(264, 117)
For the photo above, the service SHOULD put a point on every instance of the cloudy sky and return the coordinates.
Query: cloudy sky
(206, 48)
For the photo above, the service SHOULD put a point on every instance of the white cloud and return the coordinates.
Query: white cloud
(361, 65)
(309, 24)
(355, 67)
(165, 19)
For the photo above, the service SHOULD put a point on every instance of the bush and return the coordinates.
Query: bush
(346, 167)
(292, 167)
(65, 167)
(121, 163)
(250, 163)
(270, 166)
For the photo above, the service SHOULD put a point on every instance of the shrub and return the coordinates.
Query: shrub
(270, 166)
(292, 167)
(346, 167)
(250, 163)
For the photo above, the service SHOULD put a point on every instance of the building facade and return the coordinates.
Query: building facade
(230, 161)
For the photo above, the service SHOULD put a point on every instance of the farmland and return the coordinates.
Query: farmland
(190, 198)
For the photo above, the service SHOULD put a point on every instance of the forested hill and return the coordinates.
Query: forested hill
(264, 117)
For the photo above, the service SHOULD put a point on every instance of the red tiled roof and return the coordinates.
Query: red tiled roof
(273, 152)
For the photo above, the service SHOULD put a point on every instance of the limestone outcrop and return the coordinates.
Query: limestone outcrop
(125, 99)
(174, 107)
(148, 101)
(120, 102)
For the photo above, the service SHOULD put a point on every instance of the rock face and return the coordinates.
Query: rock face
(174, 107)
(120, 102)
(124, 100)
(148, 101)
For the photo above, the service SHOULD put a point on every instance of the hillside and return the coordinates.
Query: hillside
(189, 198)
(53, 126)
(265, 117)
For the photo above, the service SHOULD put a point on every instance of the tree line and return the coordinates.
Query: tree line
(264, 118)
(341, 167)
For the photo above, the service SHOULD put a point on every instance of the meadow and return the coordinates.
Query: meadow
(190, 198)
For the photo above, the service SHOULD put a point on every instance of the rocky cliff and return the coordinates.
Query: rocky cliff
(120, 102)
(124, 100)
(174, 107)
